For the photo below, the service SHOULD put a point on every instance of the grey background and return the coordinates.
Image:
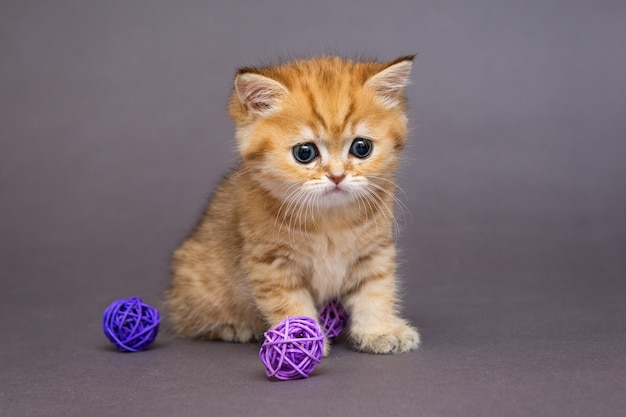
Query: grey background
(113, 132)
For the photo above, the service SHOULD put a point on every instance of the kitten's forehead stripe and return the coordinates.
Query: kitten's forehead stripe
(329, 122)
(334, 116)
(314, 108)
(348, 115)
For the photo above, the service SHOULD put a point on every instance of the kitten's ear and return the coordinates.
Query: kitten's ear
(390, 82)
(259, 95)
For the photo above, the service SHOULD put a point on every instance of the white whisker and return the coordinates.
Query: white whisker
(285, 201)
(403, 208)
(382, 205)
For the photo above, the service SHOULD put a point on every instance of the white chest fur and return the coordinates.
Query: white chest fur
(331, 256)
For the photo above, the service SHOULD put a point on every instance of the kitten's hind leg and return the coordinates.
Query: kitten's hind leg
(200, 309)
(205, 324)
(237, 333)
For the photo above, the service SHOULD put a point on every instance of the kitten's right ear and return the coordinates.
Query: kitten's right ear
(259, 95)
(390, 82)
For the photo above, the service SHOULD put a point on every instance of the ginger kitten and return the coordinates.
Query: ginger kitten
(307, 216)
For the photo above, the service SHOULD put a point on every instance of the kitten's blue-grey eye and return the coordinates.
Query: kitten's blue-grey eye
(305, 152)
(361, 148)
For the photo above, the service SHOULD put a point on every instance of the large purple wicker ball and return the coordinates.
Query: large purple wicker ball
(130, 325)
(333, 319)
(292, 349)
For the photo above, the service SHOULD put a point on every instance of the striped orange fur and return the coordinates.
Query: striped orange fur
(283, 235)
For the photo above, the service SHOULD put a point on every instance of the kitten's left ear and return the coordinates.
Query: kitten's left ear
(260, 95)
(390, 82)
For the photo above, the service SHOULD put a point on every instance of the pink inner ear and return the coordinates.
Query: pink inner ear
(390, 82)
(259, 107)
(258, 94)
(261, 99)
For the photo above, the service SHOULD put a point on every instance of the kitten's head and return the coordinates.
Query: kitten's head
(324, 131)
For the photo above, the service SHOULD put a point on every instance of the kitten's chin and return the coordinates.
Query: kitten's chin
(335, 197)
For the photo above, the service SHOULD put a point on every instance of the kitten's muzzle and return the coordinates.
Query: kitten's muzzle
(336, 178)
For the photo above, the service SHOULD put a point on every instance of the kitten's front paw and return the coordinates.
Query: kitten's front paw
(326, 347)
(402, 338)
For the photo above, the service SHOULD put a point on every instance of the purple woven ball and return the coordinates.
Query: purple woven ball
(130, 325)
(333, 318)
(292, 349)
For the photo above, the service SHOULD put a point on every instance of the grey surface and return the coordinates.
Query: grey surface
(113, 132)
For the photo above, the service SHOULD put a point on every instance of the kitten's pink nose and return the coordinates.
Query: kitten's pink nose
(336, 178)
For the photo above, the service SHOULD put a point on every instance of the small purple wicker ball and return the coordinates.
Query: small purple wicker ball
(292, 349)
(130, 325)
(333, 318)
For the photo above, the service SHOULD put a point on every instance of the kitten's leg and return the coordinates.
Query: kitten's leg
(239, 333)
(374, 324)
(202, 306)
(197, 314)
(280, 291)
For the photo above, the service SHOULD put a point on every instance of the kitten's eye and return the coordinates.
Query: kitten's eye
(305, 153)
(361, 148)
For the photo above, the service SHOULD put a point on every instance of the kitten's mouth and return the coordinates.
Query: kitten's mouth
(335, 196)
(334, 190)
